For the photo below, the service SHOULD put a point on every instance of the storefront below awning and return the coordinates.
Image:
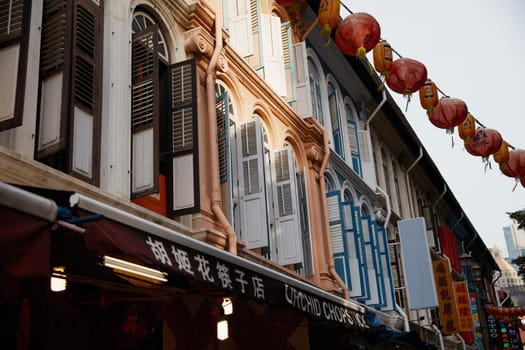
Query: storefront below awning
(127, 237)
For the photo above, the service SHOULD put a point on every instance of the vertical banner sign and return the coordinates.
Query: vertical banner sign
(417, 264)
(466, 323)
(493, 329)
(448, 313)
(478, 335)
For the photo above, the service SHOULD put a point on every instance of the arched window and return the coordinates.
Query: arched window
(333, 104)
(163, 119)
(315, 88)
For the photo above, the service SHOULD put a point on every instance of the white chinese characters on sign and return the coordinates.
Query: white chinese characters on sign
(202, 267)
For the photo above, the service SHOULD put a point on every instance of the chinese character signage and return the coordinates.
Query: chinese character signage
(466, 323)
(448, 313)
(216, 268)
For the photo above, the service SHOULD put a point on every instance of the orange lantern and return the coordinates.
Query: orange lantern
(502, 155)
(484, 143)
(383, 57)
(428, 96)
(406, 76)
(357, 34)
(467, 129)
(449, 112)
(328, 16)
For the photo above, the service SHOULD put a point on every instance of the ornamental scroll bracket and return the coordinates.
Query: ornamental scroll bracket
(201, 44)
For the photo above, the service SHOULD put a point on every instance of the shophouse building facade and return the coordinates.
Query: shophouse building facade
(228, 148)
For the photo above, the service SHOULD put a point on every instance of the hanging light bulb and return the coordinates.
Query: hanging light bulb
(58, 279)
(227, 306)
(222, 329)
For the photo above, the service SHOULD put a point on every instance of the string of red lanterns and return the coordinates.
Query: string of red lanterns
(359, 33)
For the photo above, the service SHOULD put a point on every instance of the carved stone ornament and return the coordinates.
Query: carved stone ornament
(199, 42)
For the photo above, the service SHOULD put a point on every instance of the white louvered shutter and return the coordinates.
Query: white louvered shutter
(273, 56)
(287, 224)
(252, 187)
(240, 26)
(336, 224)
(303, 103)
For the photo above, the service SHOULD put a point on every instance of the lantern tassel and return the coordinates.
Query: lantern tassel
(408, 96)
(516, 184)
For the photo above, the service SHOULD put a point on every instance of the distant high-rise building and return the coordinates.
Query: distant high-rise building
(515, 240)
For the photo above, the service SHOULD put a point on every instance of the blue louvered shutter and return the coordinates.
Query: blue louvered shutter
(354, 257)
(252, 195)
(371, 257)
(364, 261)
(287, 223)
(388, 287)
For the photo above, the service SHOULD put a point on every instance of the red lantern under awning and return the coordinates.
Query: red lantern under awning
(484, 143)
(449, 112)
(357, 34)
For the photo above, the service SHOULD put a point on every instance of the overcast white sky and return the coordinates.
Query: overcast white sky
(473, 50)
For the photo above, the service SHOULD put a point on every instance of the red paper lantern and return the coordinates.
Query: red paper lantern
(467, 129)
(406, 76)
(484, 143)
(328, 16)
(449, 112)
(357, 34)
(502, 155)
(428, 96)
(523, 185)
(515, 165)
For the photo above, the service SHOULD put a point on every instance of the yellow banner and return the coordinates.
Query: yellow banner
(448, 313)
(466, 322)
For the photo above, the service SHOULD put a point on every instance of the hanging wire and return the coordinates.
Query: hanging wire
(441, 91)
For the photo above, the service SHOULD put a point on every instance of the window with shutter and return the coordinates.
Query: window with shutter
(337, 239)
(356, 261)
(308, 263)
(145, 105)
(288, 61)
(183, 136)
(303, 103)
(287, 224)
(240, 23)
(14, 40)
(70, 87)
(315, 92)
(333, 106)
(251, 184)
(272, 52)
(353, 140)
(371, 258)
(387, 285)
